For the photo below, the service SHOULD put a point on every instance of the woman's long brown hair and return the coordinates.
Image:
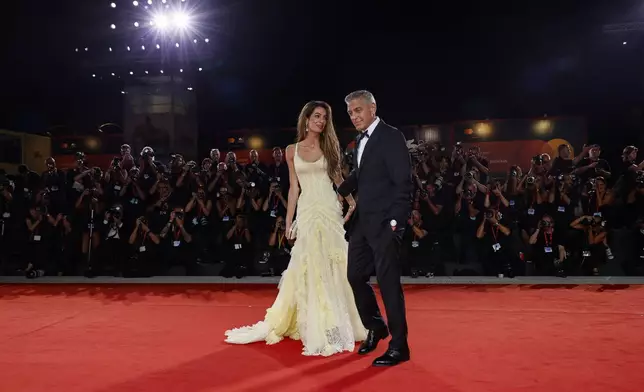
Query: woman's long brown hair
(329, 143)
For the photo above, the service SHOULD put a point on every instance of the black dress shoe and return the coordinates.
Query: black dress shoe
(392, 358)
(371, 342)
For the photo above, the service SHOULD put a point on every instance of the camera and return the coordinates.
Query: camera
(33, 274)
(116, 162)
(250, 186)
(469, 194)
(514, 171)
(438, 183)
(489, 214)
(179, 215)
(281, 226)
(538, 160)
(143, 220)
(545, 224)
(531, 180)
(116, 212)
(469, 175)
(147, 153)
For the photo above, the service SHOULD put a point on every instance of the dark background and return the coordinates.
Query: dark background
(426, 62)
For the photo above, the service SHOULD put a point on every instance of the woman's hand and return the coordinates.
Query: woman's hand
(287, 231)
(352, 207)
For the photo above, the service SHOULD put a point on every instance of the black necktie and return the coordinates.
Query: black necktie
(361, 136)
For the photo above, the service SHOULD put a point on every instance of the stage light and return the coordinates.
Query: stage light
(128, 48)
(207, 40)
(135, 3)
(113, 5)
(86, 49)
(542, 126)
(195, 41)
(624, 43)
(136, 24)
(180, 20)
(131, 73)
(158, 46)
(112, 26)
(200, 69)
(122, 92)
(161, 21)
(113, 74)
(164, 1)
(110, 49)
(189, 88)
(161, 71)
(146, 72)
(93, 75)
(177, 44)
(77, 49)
(180, 69)
(142, 47)
(150, 2)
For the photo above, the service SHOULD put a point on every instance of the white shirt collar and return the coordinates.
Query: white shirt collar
(373, 126)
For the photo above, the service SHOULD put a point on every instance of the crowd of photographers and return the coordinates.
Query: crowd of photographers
(140, 217)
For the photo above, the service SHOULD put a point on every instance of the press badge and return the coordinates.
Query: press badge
(277, 179)
(117, 188)
(531, 211)
(176, 244)
(598, 214)
(195, 221)
(142, 249)
(6, 215)
(585, 253)
(414, 244)
(238, 246)
(457, 174)
(561, 209)
(273, 214)
(547, 249)
(512, 203)
(134, 200)
(226, 218)
(36, 238)
(496, 247)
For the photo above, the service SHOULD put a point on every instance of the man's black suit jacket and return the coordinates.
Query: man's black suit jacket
(382, 182)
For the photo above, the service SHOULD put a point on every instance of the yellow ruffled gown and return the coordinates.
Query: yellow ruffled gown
(315, 303)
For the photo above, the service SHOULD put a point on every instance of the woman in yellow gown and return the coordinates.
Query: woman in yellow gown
(315, 302)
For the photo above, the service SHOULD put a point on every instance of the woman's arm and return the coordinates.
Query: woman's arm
(294, 189)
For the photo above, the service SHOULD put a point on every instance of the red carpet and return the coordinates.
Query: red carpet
(126, 338)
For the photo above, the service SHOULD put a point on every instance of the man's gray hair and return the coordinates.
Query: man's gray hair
(360, 94)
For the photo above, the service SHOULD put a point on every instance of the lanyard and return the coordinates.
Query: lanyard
(177, 234)
(143, 238)
(275, 202)
(280, 240)
(495, 233)
(547, 239)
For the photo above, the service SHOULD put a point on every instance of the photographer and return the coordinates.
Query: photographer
(175, 245)
(275, 204)
(53, 188)
(132, 194)
(220, 178)
(255, 171)
(280, 248)
(423, 252)
(562, 202)
(548, 252)
(113, 255)
(39, 230)
(495, 255)
(476, 161)
(592, 166)
(467, 207)
(115, 180)
(7, 217)
(278, 170)
(147, 168)
(145, 253)
(198, 212)
(238, 240)
(593, 246)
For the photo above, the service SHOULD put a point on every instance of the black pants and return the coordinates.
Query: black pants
(381, 253)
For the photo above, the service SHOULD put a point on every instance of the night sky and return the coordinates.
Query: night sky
(426, 62)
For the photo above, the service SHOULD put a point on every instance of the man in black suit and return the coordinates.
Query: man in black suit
(382, 183)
